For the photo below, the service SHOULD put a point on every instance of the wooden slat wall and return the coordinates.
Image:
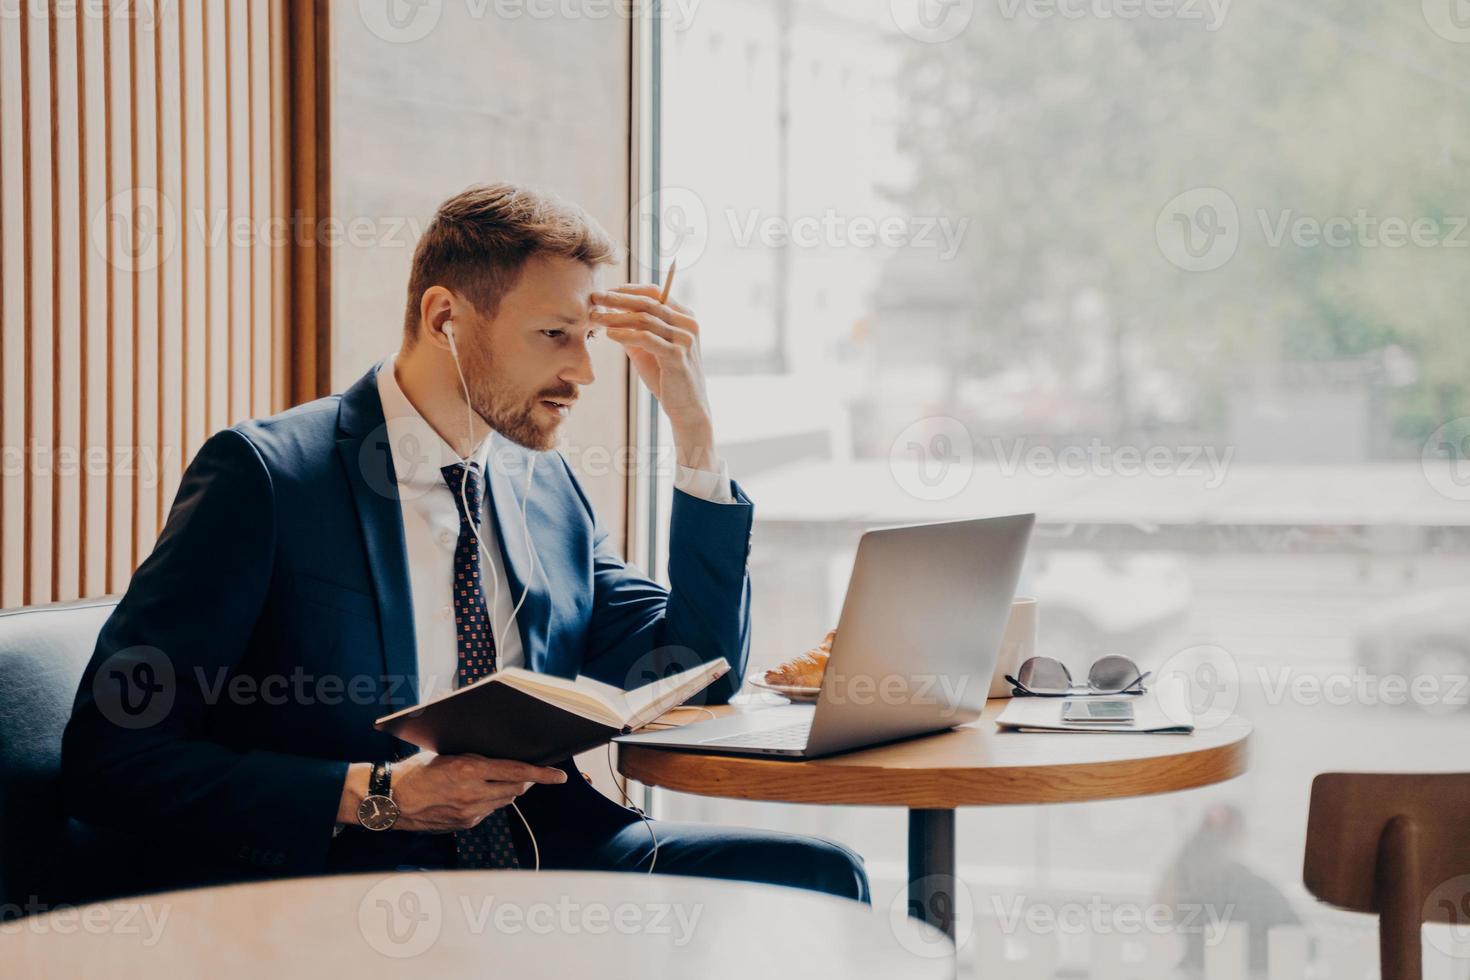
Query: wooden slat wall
(308, 161)
(13, 202)
(142, 159)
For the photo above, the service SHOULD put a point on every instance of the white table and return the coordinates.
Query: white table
(564, 925)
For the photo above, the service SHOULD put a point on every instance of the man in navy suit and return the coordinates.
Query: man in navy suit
(351, 556)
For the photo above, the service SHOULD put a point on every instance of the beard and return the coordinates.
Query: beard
(506, 409)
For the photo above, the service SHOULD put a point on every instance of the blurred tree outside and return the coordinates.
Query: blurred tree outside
(1061, 140)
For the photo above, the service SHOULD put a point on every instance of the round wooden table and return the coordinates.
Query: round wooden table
(973, 765)
(477, 923)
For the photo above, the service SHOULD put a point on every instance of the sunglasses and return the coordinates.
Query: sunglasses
(1047, 677)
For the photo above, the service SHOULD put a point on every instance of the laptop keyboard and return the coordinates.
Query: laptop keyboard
(786, 737)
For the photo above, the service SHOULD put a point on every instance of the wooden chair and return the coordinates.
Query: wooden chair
(1394, 845)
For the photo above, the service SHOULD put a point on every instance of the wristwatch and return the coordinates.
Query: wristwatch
(377, 811)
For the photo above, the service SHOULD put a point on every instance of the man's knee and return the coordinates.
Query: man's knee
(772, 857)
(817, 864)
(836, 869)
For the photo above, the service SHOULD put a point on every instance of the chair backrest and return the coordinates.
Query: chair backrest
(1397, 845)
(43, 651)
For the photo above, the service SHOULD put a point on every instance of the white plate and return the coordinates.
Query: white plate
(801, 695)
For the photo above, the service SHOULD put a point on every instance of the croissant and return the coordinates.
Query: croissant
(804, 670)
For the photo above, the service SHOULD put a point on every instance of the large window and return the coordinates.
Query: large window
(429, 99)
(1187, 279)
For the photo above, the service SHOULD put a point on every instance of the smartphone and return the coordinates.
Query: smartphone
(1098, 712)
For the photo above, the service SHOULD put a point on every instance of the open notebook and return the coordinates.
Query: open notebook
(540, 718)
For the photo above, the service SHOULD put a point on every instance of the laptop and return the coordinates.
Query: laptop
(916, 645)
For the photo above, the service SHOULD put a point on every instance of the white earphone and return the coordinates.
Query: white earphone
(531, 558)
(534, 562)
(464, 503)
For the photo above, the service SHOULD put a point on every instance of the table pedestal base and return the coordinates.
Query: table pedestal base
(932, 868)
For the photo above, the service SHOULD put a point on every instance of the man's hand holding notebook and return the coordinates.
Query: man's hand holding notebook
(539, 718)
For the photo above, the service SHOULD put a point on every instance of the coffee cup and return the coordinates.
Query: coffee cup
(1017, 645)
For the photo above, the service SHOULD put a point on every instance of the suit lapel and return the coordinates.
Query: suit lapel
(507, 480)
(362, 444)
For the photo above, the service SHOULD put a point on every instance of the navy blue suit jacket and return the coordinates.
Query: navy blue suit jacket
(244, 667)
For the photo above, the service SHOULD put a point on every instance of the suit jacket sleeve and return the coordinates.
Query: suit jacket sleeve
(135, 754)
(641, 631)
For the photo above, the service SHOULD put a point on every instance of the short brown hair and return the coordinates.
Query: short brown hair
(479, 241)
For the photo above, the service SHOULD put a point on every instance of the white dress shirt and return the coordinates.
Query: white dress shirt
(431, 530)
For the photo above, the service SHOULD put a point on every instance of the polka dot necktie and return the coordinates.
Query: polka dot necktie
(488, 844)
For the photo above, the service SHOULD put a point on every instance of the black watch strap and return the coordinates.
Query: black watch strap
(380, 783)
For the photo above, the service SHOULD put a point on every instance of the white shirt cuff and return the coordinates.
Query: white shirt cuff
(705, 484)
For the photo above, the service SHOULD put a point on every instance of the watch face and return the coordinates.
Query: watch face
(377, 812)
